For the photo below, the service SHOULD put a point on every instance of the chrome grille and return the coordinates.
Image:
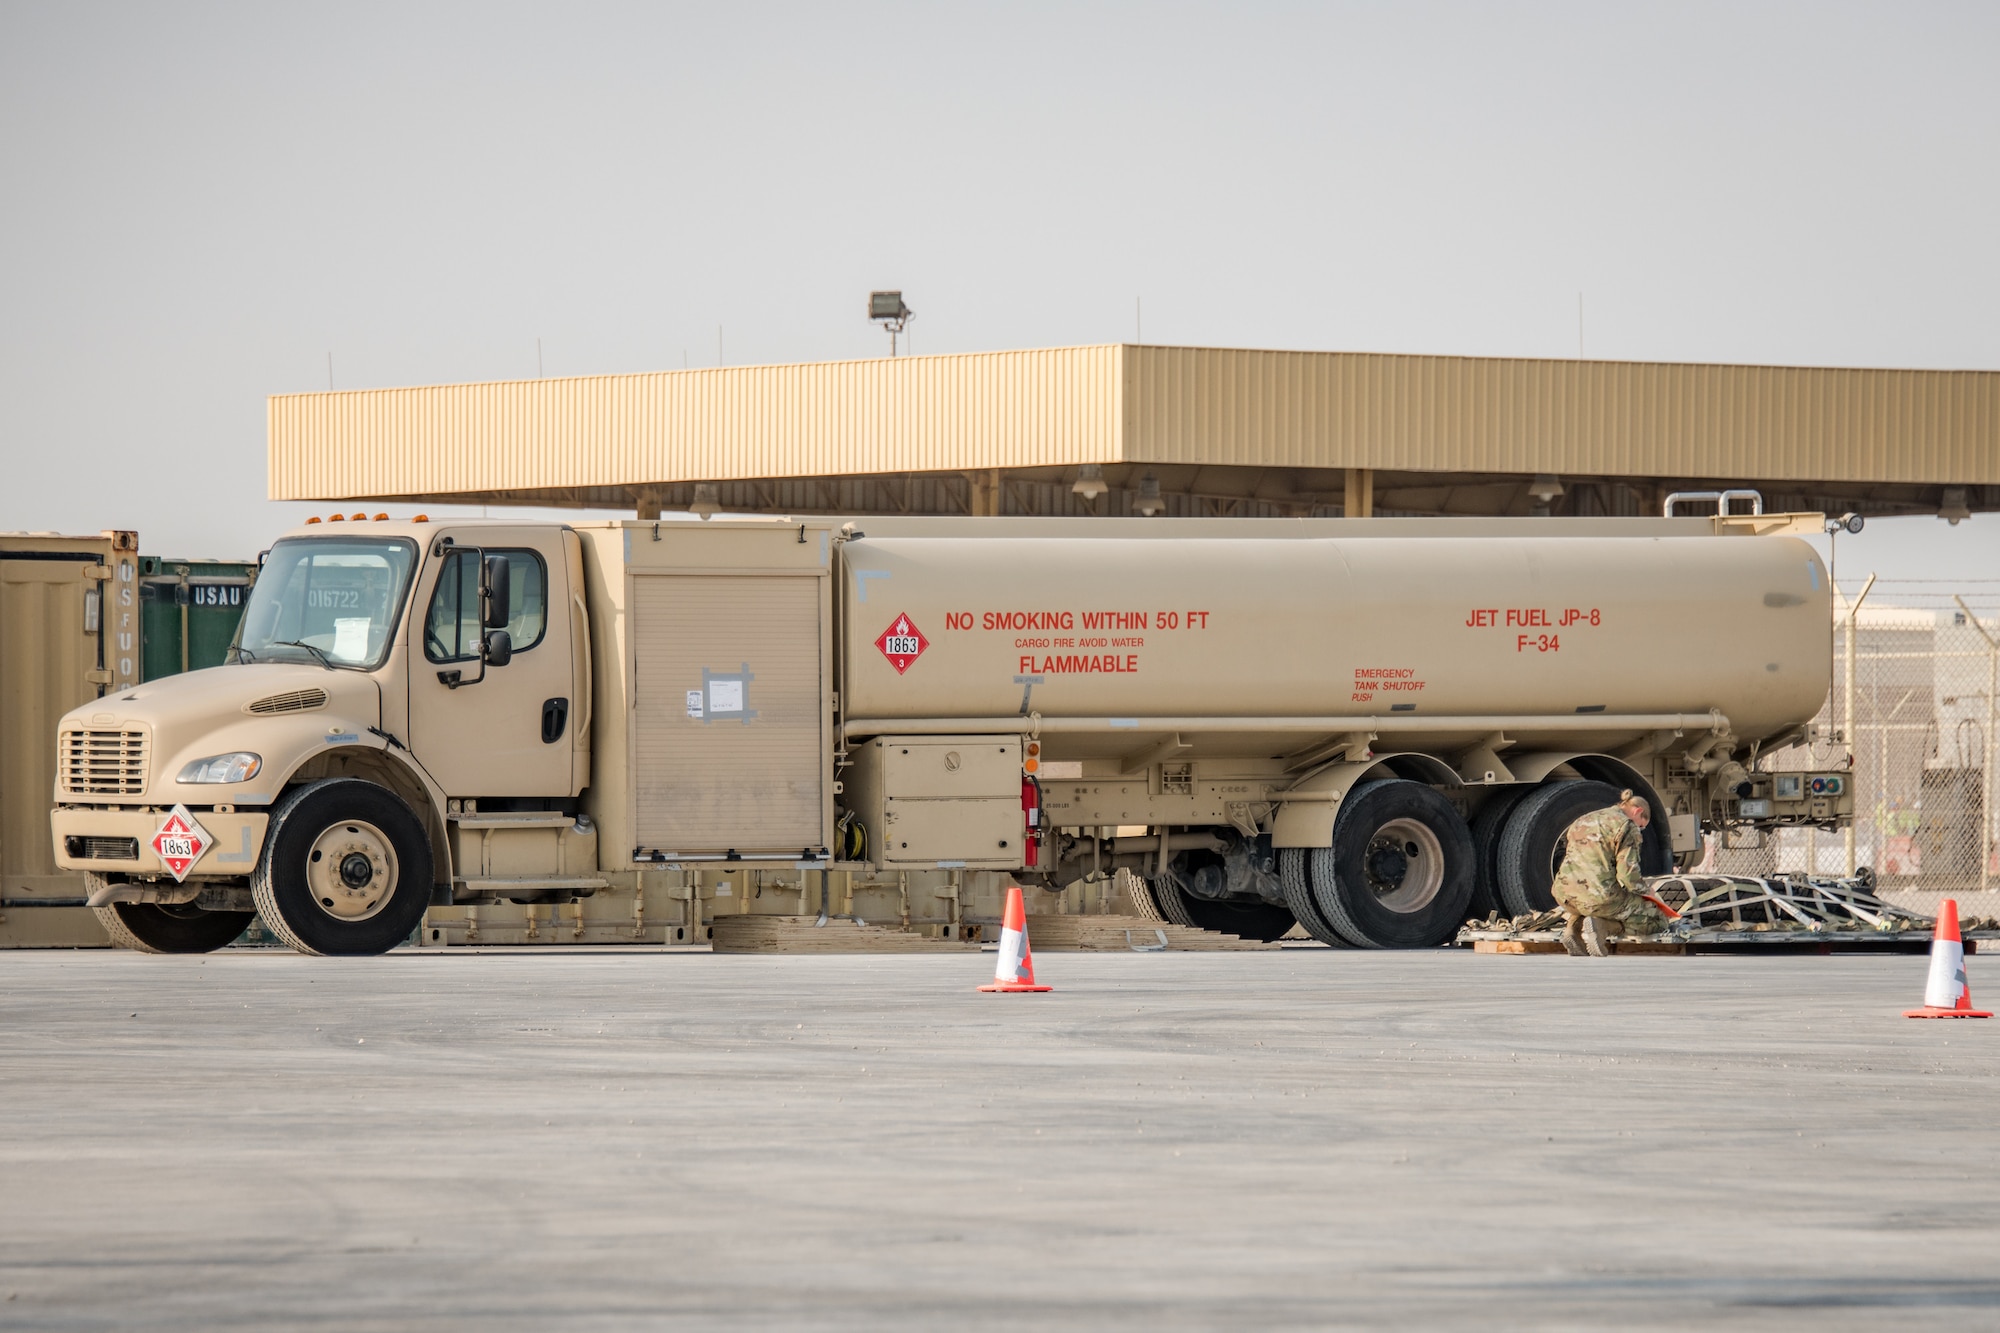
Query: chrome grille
(297, 701)
(102, 763)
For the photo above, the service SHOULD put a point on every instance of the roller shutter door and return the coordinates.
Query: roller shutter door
(746, 774)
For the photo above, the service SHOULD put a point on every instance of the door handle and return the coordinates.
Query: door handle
(555, 717)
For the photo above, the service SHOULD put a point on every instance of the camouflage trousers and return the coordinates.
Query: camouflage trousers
(1616, 903)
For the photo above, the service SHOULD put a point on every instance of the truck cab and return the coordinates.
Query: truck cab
(403, 719)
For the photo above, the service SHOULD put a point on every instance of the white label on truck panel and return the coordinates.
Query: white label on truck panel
(725, 696)
(694, 703)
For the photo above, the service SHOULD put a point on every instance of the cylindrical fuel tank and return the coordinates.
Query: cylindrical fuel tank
(1365, 626)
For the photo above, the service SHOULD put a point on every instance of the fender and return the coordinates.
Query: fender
(392, 767)
(1310, 823)
(1656, 855)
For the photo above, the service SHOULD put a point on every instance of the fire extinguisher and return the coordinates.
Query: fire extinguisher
(1031, 808)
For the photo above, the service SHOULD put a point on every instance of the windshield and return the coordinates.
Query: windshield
(325, 599)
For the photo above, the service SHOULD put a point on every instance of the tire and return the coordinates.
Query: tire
(177, 928)
(1140, 894)
(1400, 872)
(1531, 843)
(346, 869)
(1656, 841)
(1294, 869)
(1252, 920)
(1487, 827)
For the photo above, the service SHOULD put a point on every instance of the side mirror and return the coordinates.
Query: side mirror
(497, 648)
(495, 589)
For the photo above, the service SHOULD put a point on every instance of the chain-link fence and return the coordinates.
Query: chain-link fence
(1916, 671)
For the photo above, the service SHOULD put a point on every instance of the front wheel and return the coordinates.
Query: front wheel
(170, 927)
(346, 869)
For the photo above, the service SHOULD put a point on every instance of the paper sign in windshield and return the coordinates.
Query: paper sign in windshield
(350, 639)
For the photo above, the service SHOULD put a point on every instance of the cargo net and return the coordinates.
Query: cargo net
(1926, 817)
(1709, 905)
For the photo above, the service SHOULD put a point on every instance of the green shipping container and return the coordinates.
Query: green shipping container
(188, 612)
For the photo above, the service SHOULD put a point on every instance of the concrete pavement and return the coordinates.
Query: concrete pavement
(1304, 1138)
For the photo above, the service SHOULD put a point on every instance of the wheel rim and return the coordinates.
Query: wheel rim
(351, 871)
(1403, 866)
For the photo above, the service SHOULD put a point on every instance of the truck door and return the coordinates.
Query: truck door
(506, 732)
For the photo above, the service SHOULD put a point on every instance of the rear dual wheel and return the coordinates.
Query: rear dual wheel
(1253, 920)
(1487, 826)
(1295, 869)
(1400, 872)
(1404, 868)
(1531, 845)
(1139, 892)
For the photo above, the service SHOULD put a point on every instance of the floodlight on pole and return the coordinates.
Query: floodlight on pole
(889, 308)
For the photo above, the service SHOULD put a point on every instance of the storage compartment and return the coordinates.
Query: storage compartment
(724, 690)
(523, 846)
(926, 800)
(936, 768)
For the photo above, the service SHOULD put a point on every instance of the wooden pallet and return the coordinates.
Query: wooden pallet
(1128, 934)
(756, 933)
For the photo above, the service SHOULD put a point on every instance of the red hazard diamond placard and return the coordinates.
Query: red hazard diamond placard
(180, 842)
(902, 643)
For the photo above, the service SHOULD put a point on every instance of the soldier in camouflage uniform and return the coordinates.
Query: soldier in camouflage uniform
(1599, 885)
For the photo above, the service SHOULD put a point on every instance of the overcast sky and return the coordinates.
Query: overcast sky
(205, 202)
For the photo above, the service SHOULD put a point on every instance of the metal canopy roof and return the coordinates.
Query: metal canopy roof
(1218, 430)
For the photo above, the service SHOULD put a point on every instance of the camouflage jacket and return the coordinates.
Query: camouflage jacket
(1603, 852)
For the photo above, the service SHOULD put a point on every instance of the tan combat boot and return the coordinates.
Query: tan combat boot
(1597, 933)
(1572, 936)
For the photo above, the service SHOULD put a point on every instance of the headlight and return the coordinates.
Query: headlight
(238, 767)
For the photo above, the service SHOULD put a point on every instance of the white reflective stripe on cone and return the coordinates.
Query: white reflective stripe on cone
(1947, 981)
(1013, 948)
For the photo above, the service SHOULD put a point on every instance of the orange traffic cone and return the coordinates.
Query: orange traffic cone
(1947, 995)
(1016, 969)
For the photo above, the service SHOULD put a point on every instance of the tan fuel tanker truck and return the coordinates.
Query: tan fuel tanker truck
(500, 732)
